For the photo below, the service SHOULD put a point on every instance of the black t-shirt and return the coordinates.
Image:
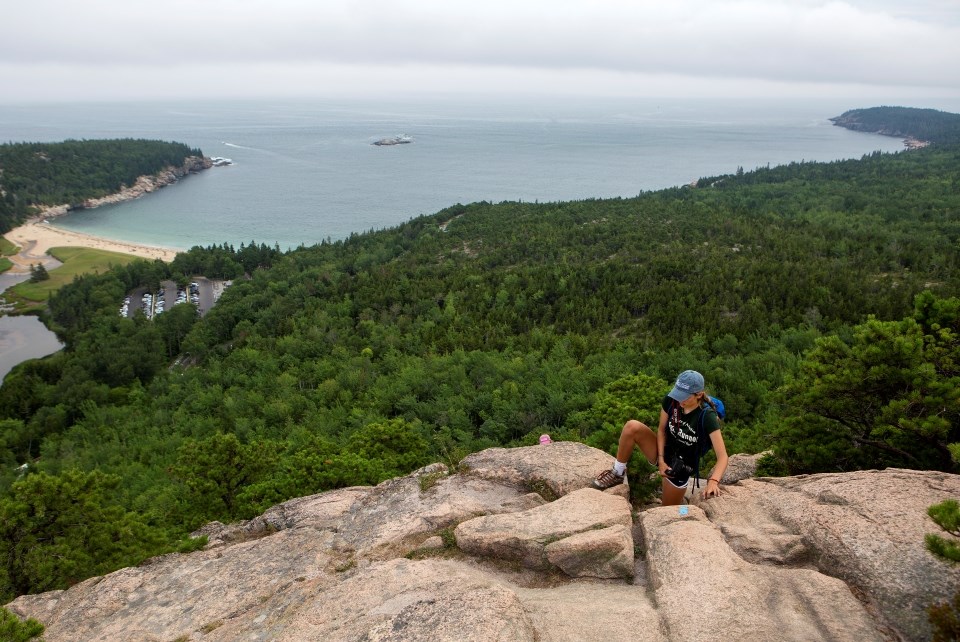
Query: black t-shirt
(682, 429)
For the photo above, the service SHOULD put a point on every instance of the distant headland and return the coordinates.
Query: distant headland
(41, 181)
(917, 127)
(53, 178)
(142, 185)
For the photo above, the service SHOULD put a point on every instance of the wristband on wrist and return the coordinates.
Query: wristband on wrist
(714, 479)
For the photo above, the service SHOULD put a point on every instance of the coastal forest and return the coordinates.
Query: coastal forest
(820, 300)
(72, 171)
(906, 122)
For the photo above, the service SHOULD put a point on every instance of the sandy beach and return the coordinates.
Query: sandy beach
(36, 237)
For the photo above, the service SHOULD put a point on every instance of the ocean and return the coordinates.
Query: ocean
(307, 171)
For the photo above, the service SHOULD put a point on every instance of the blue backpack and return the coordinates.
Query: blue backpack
(704, 445)
(703, 439)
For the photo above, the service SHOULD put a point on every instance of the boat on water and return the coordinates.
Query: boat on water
(220, 161)
(401, 139)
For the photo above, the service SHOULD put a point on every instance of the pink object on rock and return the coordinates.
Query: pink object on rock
(545, 439)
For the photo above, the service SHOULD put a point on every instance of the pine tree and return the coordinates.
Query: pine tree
(13, 629)
(887, 396)
(38, 273)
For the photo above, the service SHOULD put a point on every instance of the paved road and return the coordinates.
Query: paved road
(206, 294)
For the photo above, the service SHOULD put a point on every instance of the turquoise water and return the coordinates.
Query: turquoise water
(306, 171)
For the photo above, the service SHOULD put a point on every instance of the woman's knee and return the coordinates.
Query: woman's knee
(634, 427)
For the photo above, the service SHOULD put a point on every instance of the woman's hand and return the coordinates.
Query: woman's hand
(663, 468)
(712, 489)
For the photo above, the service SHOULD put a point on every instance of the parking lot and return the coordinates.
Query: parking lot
(202, 293)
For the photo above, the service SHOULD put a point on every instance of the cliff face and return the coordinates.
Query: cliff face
(147, 184)
(514, 546)
(853, 120)
(143, 185)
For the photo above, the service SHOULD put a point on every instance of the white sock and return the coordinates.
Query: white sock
(619, 468)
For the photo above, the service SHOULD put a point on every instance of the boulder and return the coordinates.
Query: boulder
(397, 601)
(551, 470)
(741, 466)
(398, 515)
(406, 601)
(866, 528)
(322, 511)
(178, 595)
(603, 553)
(702, 588)
(587, 610)
(817, 557)
(524, 536)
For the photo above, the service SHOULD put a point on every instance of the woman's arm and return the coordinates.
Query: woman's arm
(713, 484)
(662, 442)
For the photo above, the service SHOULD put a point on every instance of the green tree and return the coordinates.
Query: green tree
(635, 396)
(38, 273)
(305, 469)
(74, 170)
(174, 326)
(632, 397)
(13, 629)
(889, 395)
(947, 516)
(215, 471)
(397, 446)
(58, 530)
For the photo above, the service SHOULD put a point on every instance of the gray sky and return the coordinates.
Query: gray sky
(67, 50)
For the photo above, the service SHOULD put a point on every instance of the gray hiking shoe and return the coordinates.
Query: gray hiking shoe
(607, 479)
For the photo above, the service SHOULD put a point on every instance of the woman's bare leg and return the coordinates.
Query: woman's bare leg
(672, 496)
(635, 433)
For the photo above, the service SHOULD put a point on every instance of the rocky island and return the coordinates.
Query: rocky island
(401, 139)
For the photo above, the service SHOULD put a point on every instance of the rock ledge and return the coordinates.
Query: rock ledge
(817, 557)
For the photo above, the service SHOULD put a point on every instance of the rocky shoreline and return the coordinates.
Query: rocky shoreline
(143, 185)
(35, 238)
(852, 122)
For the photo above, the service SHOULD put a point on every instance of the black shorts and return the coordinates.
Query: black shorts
(678, 482)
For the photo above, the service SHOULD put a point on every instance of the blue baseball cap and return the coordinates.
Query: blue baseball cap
(690, 382)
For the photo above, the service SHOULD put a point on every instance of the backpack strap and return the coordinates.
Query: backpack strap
(702, 437)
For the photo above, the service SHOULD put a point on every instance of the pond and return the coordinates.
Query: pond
(23, 338)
